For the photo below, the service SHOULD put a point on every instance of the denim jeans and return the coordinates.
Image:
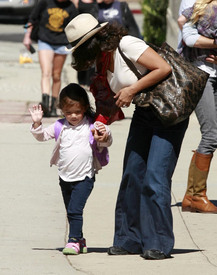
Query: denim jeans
(75, 195)
(143, 217)
(206, 112)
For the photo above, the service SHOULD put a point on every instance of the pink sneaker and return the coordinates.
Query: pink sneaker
(72, 249)
(83, 247)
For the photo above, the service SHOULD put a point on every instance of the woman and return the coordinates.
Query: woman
(143, 221)
(203, 15)
(52, 16)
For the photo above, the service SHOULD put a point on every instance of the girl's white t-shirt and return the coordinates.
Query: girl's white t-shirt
(75, 153)
(122, 76)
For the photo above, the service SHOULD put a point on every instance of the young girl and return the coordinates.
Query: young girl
(80, 151)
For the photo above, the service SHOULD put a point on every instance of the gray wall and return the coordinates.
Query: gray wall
(172, 26)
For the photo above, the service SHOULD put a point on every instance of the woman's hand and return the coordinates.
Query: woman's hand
(158, 69)
(37, 115)
(27, 40)
(124, 97)
(212, 59)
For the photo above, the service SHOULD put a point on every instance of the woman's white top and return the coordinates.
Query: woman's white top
(122, 76)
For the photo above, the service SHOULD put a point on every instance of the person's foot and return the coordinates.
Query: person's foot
(153, 254)
(115, 250)
(83, 246)
(72, 249)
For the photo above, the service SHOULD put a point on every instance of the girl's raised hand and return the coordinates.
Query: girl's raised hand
(36, 113)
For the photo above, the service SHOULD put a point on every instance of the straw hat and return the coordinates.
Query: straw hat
(81, 28)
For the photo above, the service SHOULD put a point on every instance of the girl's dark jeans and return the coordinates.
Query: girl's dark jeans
(75, 195)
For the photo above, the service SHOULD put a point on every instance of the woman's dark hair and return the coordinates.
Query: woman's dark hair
(75, 92)
(105, 40)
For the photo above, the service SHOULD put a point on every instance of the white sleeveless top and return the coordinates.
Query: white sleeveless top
(122, 77)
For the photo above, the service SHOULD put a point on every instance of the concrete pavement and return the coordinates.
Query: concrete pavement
(33, 226)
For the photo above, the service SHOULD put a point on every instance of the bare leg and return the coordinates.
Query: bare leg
(58, 62)
(46, 63)
(46, 58)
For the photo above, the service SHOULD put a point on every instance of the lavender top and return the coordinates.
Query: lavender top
(206, 26)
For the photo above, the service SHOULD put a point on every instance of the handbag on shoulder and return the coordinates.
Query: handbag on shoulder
(174, 98)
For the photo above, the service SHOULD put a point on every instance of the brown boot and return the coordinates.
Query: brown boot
(200, 202)
(186, 203)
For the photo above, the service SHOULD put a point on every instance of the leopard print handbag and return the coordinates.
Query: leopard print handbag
(174, 98)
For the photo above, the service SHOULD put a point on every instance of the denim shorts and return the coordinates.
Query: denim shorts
(59, 49)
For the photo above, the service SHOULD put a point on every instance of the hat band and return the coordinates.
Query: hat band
(79, 39)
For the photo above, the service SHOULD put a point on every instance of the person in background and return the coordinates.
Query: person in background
(143, 217)
(118, 11)
(191, 33)
(52, 16)
(79, 143)
(87, 6)
(202, 16)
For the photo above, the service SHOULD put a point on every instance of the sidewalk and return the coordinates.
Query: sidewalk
(33, 227)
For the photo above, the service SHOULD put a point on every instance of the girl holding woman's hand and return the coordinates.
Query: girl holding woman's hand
(143, 217)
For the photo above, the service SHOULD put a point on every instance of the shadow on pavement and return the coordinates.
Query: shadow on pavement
(90, 249)
(179, 204)
(48, 249)
(185, 251)
(97, 250)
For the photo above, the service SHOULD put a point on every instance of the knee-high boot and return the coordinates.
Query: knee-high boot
(200, 202)
(45, 105)
(186, 202)
(53, 110)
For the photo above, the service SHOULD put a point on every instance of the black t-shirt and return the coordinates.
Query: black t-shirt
(52, 17)
(91, 8)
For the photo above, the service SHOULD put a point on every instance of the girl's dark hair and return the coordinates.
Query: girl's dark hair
(75, 92)
(105, 40)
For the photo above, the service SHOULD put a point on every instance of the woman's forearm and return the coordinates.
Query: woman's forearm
(205, 43)
(192, 38)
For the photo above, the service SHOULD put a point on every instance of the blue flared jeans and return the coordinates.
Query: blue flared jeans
(143, 217)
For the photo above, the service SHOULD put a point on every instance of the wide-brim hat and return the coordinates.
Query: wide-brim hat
(80, 29)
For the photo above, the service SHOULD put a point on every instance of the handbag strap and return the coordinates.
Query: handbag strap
(130, 64)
